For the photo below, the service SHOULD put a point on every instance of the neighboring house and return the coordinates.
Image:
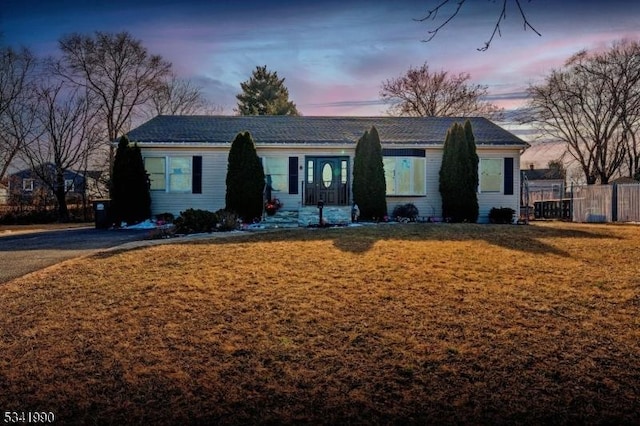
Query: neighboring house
(311, 158)
(26, 186)
(542, 184)
(4, 193)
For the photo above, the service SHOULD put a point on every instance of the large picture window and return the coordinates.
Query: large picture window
(491, 174)
(405, 175)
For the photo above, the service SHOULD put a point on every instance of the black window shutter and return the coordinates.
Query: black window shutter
(196, 183)
(293, 175)
(508, 176)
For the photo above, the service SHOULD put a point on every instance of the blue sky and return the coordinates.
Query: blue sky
(333, 54)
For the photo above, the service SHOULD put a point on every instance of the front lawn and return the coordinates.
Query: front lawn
(417, 323)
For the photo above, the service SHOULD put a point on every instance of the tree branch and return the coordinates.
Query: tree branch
(433, 13)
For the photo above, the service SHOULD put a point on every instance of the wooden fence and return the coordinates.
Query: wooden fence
(606, 203)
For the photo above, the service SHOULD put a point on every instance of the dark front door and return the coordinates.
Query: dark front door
(327, 179)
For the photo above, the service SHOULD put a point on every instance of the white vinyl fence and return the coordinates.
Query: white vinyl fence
(606, 203)
(628, 203)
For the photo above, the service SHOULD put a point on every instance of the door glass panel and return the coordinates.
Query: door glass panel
(343, 172)
(310, 171)
(327, 175)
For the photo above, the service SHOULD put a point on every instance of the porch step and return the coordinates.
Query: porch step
(282, 219)
(331, 215)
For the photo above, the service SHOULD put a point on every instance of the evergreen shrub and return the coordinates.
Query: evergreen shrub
(226, 220)
(405, 212)
(503, 215)
(195, 221)
(369, 185)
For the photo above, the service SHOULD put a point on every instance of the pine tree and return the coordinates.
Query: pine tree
(245, 179)
(130, 197)
(265, 94)
(459, 175)
(369, 186)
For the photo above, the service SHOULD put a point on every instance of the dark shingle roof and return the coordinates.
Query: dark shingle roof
(543, 174)
(317, 130)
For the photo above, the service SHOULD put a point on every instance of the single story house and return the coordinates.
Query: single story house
(311, 158)
(27, 186)
(543, 184)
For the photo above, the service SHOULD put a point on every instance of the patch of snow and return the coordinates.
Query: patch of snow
(147, 224)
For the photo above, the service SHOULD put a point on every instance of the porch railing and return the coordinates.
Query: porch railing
(312, 194)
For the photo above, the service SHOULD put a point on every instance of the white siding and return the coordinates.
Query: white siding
(429, 205)
(294, 201)
(489, 200)
(214, 169)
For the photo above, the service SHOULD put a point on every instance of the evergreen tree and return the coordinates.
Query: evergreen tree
(471, 174)
(130, 197)
(459, 175)
(245, 179)
(265, 94)
(369, 186)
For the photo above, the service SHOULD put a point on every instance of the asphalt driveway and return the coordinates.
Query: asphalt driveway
(24, 253)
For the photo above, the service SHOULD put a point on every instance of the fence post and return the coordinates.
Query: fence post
(571, 218)
(614, 203)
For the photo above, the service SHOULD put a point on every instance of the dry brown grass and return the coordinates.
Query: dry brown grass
(385, 324)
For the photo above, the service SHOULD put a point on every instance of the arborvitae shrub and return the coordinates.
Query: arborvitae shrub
(459, 175)
(245, 179)
(369, 186)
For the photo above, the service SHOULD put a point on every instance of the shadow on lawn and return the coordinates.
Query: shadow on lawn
(528, 239)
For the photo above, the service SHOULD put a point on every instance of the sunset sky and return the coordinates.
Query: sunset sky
(333, 54)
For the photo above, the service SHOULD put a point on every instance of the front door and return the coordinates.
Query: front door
(327, 179)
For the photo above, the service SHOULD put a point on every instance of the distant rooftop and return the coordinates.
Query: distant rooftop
(176, 129)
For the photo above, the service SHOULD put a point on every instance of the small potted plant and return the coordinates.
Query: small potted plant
(272, 206)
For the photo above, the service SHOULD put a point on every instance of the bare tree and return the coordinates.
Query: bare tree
(423, 93)
(432, 15)
(17, 77)
(69, 134)
(592, 104)
(117, 71)
(175, 96)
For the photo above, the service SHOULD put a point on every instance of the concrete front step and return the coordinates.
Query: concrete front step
(331, 215)
(307, 216)
(282, 219)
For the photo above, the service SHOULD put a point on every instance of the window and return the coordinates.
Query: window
(405, 175)
(69, 185)
(180, 178)
(310, 171)
(27, 185)
(344, 172)
(175, 174)
(491, 177)
(278, 169)
(155, 167)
